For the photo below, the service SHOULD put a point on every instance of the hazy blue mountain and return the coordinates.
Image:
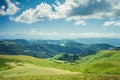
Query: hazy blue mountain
(111, 41)
(17, 49)
(49, 48)
(18, 41)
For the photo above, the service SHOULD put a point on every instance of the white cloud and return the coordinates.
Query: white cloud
(77, 20)
(112, 23)
(11, 10)
(76, 35)
(95, 35)
(34, 34)
(80, 22)
(41, 12)
(34, 31)
(77, 10)
(62, 10)
(45, 11)
(102, 9)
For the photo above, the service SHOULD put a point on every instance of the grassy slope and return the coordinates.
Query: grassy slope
(22, 66)
(25, 69)
(104, 62)
(31, 60)
(105, 59)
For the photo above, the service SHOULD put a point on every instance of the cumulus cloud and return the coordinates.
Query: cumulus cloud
(45, 11)
(77, 10)
(62, 10)
(92, 7)
(11, 10)
(112, 23)
(41, 12)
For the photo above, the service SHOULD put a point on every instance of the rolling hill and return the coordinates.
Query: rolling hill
(104, 62)
(48, 49)
(104, 65)
(58, 60)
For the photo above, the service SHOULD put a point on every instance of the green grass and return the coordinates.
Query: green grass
(105, 65)
(28, 69)
(104, 62)
(36, 61)
(64, 77)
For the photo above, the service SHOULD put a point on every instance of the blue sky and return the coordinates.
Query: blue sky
(58, 19)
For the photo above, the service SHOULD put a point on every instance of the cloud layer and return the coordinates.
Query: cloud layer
(112, 23)
(35, 32)
(77, 10)
(11, 8)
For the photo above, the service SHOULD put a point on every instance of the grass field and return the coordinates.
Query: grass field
(104, 62)
(105, 65)
(23, 69)
(64, 77)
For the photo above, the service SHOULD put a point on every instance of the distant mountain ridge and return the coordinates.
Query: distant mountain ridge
(49, 48)
(111, 41)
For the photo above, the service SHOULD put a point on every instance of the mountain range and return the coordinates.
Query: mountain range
(49, 48)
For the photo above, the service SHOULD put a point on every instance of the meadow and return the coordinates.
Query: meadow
(105, 65)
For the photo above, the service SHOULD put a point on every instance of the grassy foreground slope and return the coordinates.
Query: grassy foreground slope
(26, 68)
(31, 60)
(104, 62)
(105, 65)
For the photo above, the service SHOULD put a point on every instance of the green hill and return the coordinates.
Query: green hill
(12, 67)
(48, 50)
(105, 65)
(104, 62)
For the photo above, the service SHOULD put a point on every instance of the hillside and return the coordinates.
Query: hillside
(104, 63)
(21, 66)
(48, 49)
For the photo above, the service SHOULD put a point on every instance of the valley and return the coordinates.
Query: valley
(58, 60)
